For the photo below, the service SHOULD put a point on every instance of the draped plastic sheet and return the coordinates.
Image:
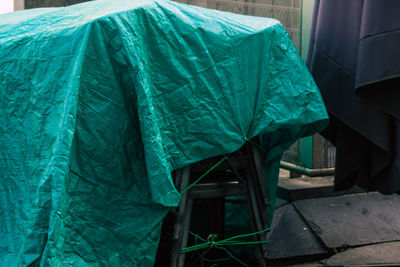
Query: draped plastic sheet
(100, 101)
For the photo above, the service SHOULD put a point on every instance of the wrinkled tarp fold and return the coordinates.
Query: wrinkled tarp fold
(100, 101)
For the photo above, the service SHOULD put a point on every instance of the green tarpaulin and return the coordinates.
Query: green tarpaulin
(100, 101)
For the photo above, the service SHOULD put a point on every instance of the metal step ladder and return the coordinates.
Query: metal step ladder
(241, 173)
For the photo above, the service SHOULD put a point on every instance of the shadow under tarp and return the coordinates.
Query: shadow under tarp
(354, 56)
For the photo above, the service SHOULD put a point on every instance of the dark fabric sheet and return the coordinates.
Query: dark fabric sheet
(354, 56)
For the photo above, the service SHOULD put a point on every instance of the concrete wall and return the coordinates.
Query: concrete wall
(286, 11)
(50, 3)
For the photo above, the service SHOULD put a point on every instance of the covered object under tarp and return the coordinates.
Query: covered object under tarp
(354, 57)
(100, 101)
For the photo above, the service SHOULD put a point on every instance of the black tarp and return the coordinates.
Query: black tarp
(354, 56)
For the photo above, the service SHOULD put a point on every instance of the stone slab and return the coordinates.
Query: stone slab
(280, 202)
(290, 236)
(353, 220)
(373, 255)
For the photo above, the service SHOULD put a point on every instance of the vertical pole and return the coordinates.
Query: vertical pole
(306, 9)
(19, 5)
(301, 30)
(306, 150)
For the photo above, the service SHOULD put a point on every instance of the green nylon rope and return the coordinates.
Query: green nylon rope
(252, 142)
(211, 242)
(225, 242)
(201, 177)
(215, 166)
(222, 248)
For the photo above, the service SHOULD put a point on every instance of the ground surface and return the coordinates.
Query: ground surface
(314, 226)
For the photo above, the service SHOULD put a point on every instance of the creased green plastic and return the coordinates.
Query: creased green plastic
(100, 101)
